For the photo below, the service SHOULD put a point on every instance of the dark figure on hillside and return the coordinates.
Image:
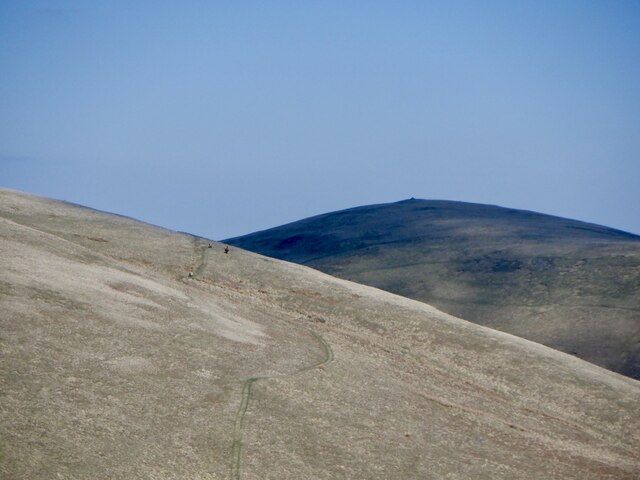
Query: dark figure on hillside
(190, 274)
(226, 249)
(210, 246)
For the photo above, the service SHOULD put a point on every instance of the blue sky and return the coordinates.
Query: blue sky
(223, 118)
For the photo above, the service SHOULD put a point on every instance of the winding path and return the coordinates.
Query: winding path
(236, 448)
(245, 397)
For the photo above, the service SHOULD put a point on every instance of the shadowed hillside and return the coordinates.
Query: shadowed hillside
(570, 285)
(115, 363)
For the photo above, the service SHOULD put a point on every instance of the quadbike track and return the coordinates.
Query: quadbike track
(245, 396)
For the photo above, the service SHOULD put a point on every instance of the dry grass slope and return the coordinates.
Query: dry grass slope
(115, 365)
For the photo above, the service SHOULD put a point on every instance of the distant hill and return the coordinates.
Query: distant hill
(570, 285)
(128, 351)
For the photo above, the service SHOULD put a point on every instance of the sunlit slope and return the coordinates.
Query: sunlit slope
(114, 364)
(570, 285)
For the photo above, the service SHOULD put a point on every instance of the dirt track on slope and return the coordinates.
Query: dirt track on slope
(245, 396)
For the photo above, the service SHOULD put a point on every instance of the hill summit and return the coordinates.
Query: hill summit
(571, 285)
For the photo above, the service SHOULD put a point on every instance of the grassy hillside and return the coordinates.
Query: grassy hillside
(115, 364)
(570, 285)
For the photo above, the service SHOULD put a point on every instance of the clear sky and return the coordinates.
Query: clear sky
(221, 118)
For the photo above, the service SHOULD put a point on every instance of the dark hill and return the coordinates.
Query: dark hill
(571, 285)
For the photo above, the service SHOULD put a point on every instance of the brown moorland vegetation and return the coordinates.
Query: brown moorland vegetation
(114, 364)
